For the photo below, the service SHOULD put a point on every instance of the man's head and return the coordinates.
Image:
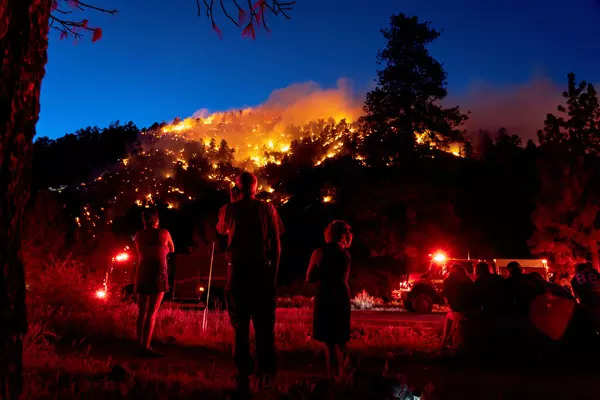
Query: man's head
(582, 267)
(247, 183)
(482, 269)
(458, 270)
(514, 268)
(339, 232)
(151, 218)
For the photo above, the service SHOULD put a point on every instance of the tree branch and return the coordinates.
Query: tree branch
(256, 13)
(93, 7)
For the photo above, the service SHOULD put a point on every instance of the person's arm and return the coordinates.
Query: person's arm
(170, 243)
(271, 228)
(313, 266)
(222, 226)
(347, 274)
(277, 228)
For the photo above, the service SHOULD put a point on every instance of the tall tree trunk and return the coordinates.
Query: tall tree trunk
(23, 55)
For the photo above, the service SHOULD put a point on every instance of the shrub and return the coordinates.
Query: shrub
(364, 301)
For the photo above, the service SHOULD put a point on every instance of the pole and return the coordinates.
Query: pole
(212, 258)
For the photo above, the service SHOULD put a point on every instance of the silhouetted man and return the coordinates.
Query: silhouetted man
(518, 289)
(458, 290)
(253, 229)
(489, 291)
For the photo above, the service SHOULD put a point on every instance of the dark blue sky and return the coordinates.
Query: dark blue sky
(158, 60)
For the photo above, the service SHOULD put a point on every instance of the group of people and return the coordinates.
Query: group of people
(252, 229)
(490, 300)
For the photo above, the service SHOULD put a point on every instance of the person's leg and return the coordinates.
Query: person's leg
(330, 361)
(447, 329)
(240, 322)
(340, 351)
(142, 302)
(154, 302)
(263, 320)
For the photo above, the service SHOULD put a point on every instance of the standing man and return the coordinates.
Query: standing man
(253, 231)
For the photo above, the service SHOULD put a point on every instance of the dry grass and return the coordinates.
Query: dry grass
(70, 330)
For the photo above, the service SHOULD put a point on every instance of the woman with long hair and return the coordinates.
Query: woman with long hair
(329, 267)
(153, 244)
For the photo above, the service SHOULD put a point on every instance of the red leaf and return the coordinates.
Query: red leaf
(97, 34)
(249, 31)
(216, 29)
(84, 23)
(241, 16)
(63, 35)
(54, 5)
(259, 7)
(73, 3)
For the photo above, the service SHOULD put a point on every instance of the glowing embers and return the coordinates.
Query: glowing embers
(328, 195)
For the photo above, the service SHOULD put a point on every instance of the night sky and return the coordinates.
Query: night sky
(506, 62)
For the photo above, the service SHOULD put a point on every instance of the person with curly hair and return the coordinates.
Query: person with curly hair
(329, 268)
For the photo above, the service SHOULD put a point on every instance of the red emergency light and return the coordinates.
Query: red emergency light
(122, 257)
(101, 293)
(439, 257)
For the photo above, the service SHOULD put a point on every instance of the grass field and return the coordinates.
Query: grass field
(81, 347)
(78, 343)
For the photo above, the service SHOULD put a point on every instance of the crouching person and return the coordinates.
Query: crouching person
(330, 268)
(253, 231)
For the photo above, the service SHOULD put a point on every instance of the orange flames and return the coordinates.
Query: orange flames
(258, 133)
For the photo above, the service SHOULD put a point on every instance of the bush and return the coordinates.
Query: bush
(364, 301)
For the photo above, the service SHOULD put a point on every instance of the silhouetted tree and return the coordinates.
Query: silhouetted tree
(567, 216)
(225, 153)
(406, 99)
(577, 132)
(78, 157)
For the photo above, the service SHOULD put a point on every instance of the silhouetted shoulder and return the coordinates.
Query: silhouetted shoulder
(317, 254)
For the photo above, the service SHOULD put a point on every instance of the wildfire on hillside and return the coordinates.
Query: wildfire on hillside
(270, 128)
(214, 147)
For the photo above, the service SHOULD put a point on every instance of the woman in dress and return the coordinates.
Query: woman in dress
(152, 244)
(329, 267)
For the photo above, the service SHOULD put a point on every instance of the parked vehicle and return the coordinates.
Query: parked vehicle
(189, 275)
(420, 292)
(192, 273)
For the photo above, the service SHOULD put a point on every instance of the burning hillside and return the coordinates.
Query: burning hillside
(177, 163)
(272, 126)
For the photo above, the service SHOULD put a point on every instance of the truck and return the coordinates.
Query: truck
(421, 291)
(189, 274)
